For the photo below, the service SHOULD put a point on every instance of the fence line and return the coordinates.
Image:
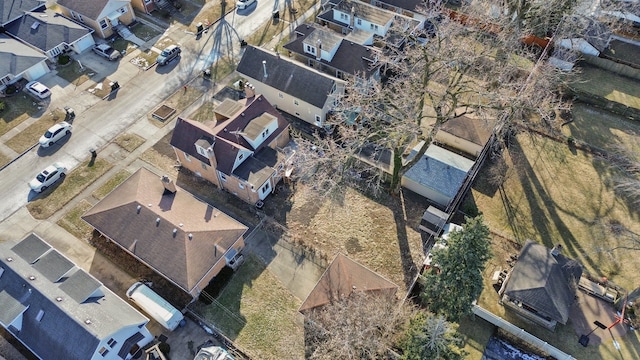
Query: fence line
(521, 334)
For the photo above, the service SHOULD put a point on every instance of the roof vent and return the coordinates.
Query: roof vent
(157, 221)
(9, 259)
(190, 236)
(138, 209)
(31, 277)
(59, 298)
(181, 224)
(88, 321)
(149, 205)
(242, 114)
(35, 25)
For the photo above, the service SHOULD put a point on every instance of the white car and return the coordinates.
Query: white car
(38, 89)
(55, 133)
(106, 52)
(243, 4)
(48, 177)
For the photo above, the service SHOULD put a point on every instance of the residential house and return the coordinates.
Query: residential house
(51, 33)
(291, 87)
(342, 278)
(542, 285)
(465, 134)
(59, 311)
(19, 61)
(144, 6)
(347, 15)
(438, 175)
(103, 16)
(183, 239)
(241, 150)
(331, 53)
(409, 8)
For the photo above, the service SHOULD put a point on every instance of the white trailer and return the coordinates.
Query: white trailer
(154, 305)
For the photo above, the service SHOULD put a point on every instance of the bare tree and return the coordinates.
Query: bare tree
(363, 325)
(445, 71)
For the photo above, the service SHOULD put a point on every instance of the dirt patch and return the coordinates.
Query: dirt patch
(163, 113)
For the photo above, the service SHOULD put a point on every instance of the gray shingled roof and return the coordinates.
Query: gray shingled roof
(13, 9)
(350, 58)
(16, 57)
(440, 170)
(287, 76)
(410, 5)
(52, 30)
(141, 218)
(62, 331)
(92, 8)
(544, 282)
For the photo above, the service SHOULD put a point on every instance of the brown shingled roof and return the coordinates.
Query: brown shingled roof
(343, 277)
(141, 218)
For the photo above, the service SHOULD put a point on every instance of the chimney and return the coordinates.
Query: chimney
(319, 51)
(169, 186)
(249, 91)
(556, 250)
(352, 20)
(264, 68)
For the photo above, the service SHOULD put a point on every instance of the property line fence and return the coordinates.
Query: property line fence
(213, 331)
(521, 334)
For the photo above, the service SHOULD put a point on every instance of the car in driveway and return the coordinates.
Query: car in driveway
(106, 52)
(243, 4)
(168, 54)
(55, 133)
(37, 89)
(48, 177)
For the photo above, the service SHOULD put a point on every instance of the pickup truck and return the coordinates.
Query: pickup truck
(107, 52)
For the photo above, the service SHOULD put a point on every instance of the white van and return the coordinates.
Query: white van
(153, 304)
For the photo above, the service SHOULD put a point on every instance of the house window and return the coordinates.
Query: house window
(123, 10)
(5, 80)
(112, 342)
(103, 351)
(265, 133)
(73, 14)
(359, 21)
(343, 16)
(80, 18)
(295, 102)
(204, 166)
(240, 186)
(187, 157)
(240, 156)
(201, 151)
(103, 24)
(374, 27)
(223, 177)
(318, 118)
(265, 188)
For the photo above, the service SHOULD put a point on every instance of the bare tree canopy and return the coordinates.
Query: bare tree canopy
(431, 337)
(363, 325)
(443, 71)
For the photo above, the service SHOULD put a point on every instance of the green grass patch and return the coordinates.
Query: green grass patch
(54, 198)
(72, 222)
(258, 313)
(75, 74)
(111, 184)
(129, 142)
(17, 109)
(608, 85)
(145, 59)
(29, 136)
(144, 32)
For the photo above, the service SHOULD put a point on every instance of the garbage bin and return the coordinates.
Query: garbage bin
(276, 14)
(199, 27)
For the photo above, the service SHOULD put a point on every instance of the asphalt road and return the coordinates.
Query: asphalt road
(98, 121)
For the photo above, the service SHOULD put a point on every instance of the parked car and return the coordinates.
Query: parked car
(48, 177)
(168, 54)
(107, 52)
(39, 90)
(55, 133)
(243, 4)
